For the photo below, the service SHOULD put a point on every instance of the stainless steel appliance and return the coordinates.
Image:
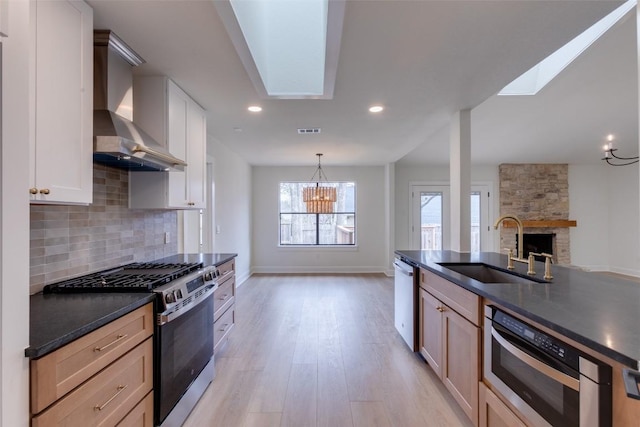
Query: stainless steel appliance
(117, 140)
(548, 381)
(404, 312)
(183, 347)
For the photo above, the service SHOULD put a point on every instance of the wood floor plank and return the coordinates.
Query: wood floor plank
(334, 409)
(262, 419)
(321, 350)
(300, 409)
(370, 414)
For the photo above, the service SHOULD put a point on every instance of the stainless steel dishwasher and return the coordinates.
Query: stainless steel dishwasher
(405, 302)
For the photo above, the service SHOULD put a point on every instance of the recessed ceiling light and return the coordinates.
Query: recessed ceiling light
(376, 108)
(254, 109)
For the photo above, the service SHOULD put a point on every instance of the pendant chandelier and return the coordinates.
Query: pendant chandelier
(321, 198)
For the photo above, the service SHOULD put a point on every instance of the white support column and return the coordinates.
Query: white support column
(389, 196)
(460, 178)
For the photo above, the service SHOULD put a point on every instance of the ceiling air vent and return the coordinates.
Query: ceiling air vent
(306, 131)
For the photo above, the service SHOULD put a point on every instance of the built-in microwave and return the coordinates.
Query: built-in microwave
(550, 382)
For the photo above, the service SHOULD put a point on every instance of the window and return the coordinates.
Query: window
(297, 227)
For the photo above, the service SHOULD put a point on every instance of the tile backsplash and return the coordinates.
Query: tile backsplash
(69, 241)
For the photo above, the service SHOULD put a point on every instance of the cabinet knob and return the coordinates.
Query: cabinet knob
(191, 204)
(33, 190)
(440, 309)
(44, 191)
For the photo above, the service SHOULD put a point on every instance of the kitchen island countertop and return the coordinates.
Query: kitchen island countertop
(599, 311)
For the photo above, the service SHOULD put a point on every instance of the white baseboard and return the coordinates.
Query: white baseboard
(591, 267)
(315, 269)
(241, 278)
(625, 271)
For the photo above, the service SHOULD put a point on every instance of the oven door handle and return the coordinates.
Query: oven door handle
(176, 312)
(534, 363)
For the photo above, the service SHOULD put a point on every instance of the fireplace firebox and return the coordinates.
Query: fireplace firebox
(537, 243)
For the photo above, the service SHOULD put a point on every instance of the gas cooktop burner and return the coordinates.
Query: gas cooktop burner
(135, 277)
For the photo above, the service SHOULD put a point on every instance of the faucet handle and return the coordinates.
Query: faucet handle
(509, 258)
(531, 262)
(547, 265)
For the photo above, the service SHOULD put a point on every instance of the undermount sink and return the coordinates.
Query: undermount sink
(487, 274)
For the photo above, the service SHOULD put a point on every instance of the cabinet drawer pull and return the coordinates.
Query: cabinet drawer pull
(44, 191)
(33, 190)
(119, 390)
(224, 297)
(224, 327)
(120, 337)
(440, 309)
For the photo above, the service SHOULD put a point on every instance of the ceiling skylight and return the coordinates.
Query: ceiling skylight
(532, 81)
(289, 47)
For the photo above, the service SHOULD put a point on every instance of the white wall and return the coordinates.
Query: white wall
(589, 205)
(370, 255)
(232, 181)
(624, 213)
(605, 202)
(407, 174)
(14, 218)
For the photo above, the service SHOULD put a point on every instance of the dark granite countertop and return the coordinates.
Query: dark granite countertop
(600, 311)
(58, 319)
(205, 259)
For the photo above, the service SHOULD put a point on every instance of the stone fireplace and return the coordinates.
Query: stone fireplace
(538, 194)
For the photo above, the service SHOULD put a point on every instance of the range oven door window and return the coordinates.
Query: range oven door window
(557, 403)
(185, 346)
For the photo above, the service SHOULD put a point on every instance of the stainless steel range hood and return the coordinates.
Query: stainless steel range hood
(117, 141)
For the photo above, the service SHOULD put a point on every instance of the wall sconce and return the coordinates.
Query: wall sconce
(611, 158)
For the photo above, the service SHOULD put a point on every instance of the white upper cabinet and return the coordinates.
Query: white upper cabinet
(4, 18)
(61, 168)
(177, 122)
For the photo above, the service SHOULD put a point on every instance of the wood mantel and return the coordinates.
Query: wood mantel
(552, 223)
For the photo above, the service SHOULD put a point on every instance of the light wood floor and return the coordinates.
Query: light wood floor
(321, 350)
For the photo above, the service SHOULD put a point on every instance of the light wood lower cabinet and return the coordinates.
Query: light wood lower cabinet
(494, 413)
(98, 379)
(224, 306)
(430, 336)
(450, 341)
(141, 415)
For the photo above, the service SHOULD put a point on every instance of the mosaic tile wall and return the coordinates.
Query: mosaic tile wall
(69, 241)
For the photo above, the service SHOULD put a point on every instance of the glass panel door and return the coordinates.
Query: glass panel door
(475, 221)
(431, 221)
(430, 217)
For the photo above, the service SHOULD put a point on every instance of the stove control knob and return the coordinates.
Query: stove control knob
(170, 298)
(208, 276)
(178, 294)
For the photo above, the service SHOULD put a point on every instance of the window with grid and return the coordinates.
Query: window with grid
(297, 227)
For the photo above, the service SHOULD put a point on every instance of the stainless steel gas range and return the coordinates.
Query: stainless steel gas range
(183, 343)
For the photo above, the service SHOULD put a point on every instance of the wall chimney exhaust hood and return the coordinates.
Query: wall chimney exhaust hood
(117, 141)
